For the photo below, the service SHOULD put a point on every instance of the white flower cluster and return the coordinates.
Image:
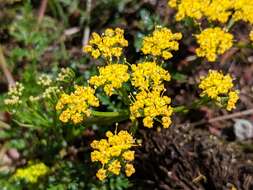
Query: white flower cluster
(14, 94)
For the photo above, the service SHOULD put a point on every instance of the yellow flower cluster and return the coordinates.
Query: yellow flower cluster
(150, 102)
(161, 43)
(111, 77)
(76, 105)
(214, 10)
(110, 44)
(148, 74)
(213, 42)
(31, 173)
(218, 10)
(151, 105)
(243, 10)
(219, 87)
(187, 8)
(14, 94)
(113, 153)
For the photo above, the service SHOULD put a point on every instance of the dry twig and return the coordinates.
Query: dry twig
(42, 10)
(7, 73)
(86, 33)
(223, 117)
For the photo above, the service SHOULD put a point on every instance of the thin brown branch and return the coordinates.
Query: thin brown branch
(227, 56)
(7, 73)
(86, 33)
(42, 9)
(223, 117)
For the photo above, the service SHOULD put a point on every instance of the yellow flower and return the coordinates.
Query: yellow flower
(31, 173)
(217, 87)
(243, 10)
(75, 107)
(233, 97)
(114, 167)
(188, 8)
(109, 45)
(219, 10)
(111, 77)
(113, 152)
(128, 155)
(161, 43)
(213, 42)
(148, 122)
(166, 121)
(148, 74)
(213, 10)
(129, 169)
(151, 104)
(101, 174)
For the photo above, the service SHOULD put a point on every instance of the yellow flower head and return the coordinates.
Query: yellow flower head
(213, 10)
(111, 77)
(101, 174)
(188, 8)
(114, 167)
(243, 10)
(31, 173)
(109, 44)
(148, 74)
(151, 104)
(129, 169)
(128, 155)
(161, 43)
(233, 97)
(213, 42)
(219, 88)
(218, 10)
(112, 152)
(75, 107)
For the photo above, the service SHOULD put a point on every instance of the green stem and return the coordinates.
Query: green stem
(243, 45)
(180, 109)
(194, 105)
(108, 114)
(230, 24)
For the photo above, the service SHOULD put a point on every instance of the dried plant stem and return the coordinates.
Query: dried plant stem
(223, 117)
(86, 33)
(42, 10)
(7, 73)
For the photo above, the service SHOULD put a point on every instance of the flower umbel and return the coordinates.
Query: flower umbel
(213, 42)
(111, 77)
(76, 105)
(109, 45)
(148, 74)
(188, 8)
(161, 43)
(219, 88)
(243, 10)
(113, 153)
(213, 10)
(14, 94)
(150, 105)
